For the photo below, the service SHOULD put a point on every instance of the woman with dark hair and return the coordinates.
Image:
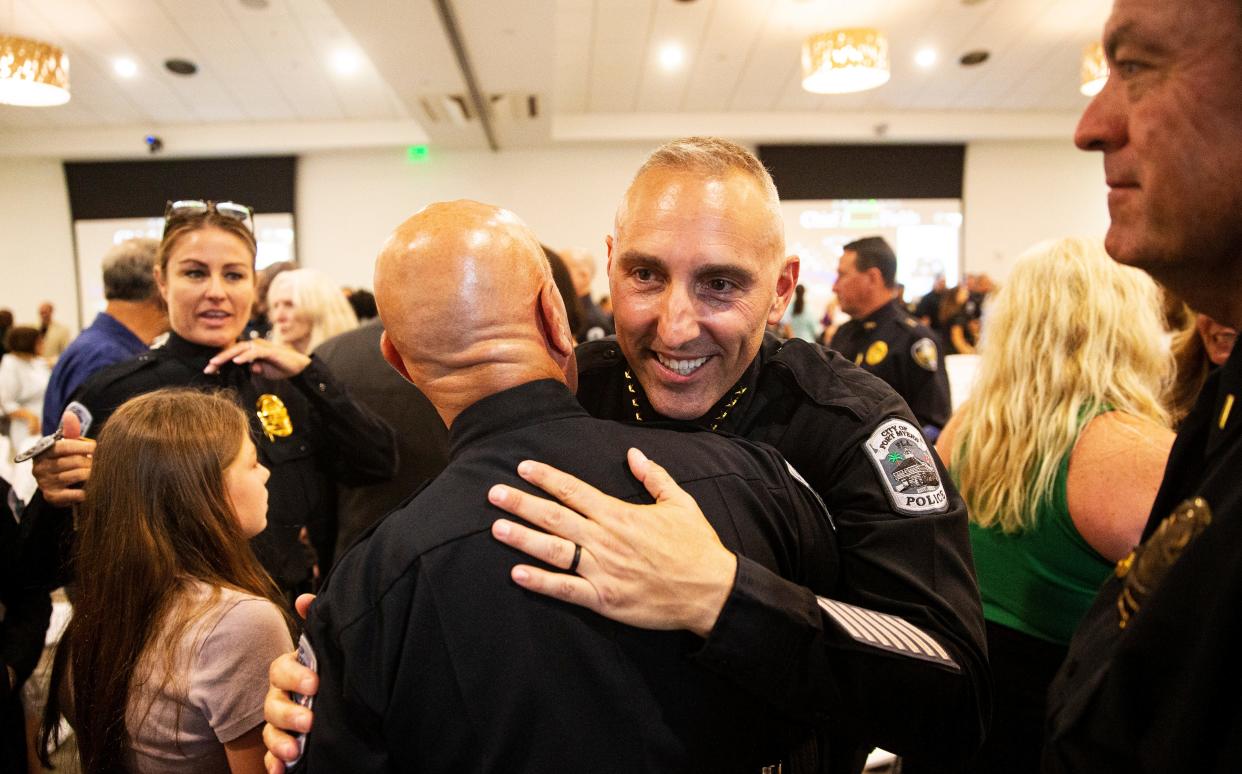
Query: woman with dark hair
(23, 381)
(799, 324)
(162, 667)
(309, 431)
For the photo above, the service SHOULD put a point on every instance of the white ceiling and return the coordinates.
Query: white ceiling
(265, 81)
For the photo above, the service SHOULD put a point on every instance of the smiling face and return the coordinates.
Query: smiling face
(208, 283)
(1169, 123)
(288, 322)
(245, 483)
(696, 274)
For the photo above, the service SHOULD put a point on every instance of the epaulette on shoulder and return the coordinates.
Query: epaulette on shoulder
(601, 353)
(104, 378)
(910, 322)
(827, 378)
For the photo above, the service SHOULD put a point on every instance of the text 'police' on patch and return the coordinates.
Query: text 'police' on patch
(906, 468)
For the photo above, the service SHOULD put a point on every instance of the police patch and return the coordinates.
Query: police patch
(877, 352)
(906, 468)
(924, 353)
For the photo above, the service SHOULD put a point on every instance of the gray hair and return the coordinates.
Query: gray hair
(129, 270)
(712, 156)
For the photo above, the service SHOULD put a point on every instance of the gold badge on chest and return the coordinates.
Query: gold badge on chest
(1144, 568)
(877, 352)
(274, 417)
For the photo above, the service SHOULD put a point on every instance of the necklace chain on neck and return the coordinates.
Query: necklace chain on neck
(638, 412)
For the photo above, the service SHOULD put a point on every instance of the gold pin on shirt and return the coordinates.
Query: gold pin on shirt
(274, 417)
(1224, 413)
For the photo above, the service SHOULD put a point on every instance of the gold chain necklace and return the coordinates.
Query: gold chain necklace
(638, 413)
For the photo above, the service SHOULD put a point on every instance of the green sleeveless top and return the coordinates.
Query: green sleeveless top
(1039, 581)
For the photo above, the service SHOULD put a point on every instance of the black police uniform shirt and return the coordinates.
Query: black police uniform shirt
(1161, 694)
(331, 438)
(903, 352)
(902, 545)
(431, 659)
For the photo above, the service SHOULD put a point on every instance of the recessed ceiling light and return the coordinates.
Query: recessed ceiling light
(672, 56)
(972, 58)
(346, 62)
(181, 66)
(926, 57)
(125, 67)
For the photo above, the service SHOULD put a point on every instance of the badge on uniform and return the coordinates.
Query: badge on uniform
(1143, 569)
(906, 468)
(876, 353)
(924, 353)
(274, 417)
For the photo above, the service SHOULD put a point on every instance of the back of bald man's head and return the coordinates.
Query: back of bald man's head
(460, 285)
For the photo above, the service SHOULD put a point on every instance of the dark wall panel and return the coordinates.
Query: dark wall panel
(127, 189)
(866, 171)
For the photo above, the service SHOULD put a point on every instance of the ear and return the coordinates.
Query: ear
(393, 357)
(786, 281)
(555, 323)
(161, 282)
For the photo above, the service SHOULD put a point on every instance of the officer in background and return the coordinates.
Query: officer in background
(883, 338)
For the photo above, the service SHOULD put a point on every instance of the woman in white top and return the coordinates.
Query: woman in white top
(163, 665)
(306, 307)
(23, 380)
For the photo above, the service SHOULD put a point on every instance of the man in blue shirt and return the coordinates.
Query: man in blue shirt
(134, 316)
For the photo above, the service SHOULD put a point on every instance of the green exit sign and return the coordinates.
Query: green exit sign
(417, 153)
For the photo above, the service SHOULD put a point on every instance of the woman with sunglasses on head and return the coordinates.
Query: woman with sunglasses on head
(162, 666)
(309, 431)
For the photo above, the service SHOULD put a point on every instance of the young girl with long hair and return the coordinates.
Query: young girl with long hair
(163, 666)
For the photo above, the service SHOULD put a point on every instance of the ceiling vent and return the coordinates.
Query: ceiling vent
(457, 109)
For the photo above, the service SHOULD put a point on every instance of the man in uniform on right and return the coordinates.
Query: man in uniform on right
(1152, 677)
(883, 338)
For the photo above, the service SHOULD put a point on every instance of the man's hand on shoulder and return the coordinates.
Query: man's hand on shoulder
(658, 566)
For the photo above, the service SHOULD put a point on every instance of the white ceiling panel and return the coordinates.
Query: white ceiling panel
(270, 62)
(622, 36)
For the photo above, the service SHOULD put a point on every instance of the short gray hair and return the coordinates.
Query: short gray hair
(714, 157)
(129, 270)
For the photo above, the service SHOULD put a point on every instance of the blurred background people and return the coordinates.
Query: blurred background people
(363, 303)
(563, 277)
(957, 321)
(134, 316)
(881, 336)
(260, 327)
(596, 323)
(799, 323)
(23, 381)
(305, 307)
(162, 667)
(6, 322)
(1058, 452)
(55, 336)
(310, 433)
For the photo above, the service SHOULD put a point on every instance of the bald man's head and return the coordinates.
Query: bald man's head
(464, 287)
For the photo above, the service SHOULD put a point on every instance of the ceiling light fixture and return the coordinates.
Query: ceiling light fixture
(125, 67)
(1094, 69)
(32, 73)
(346, 62)
(925, 58)
(672, 57)
(844, 61)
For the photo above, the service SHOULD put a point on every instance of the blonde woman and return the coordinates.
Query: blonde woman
(306, 307)
(1059, 453)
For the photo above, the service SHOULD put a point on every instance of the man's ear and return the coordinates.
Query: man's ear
(785, 284)
(393, 357)
(555, 323)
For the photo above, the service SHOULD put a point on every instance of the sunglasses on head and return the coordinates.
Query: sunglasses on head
(189, 208)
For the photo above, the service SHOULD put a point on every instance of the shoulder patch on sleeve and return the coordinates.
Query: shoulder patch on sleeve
(926, 354)
(906, 469)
